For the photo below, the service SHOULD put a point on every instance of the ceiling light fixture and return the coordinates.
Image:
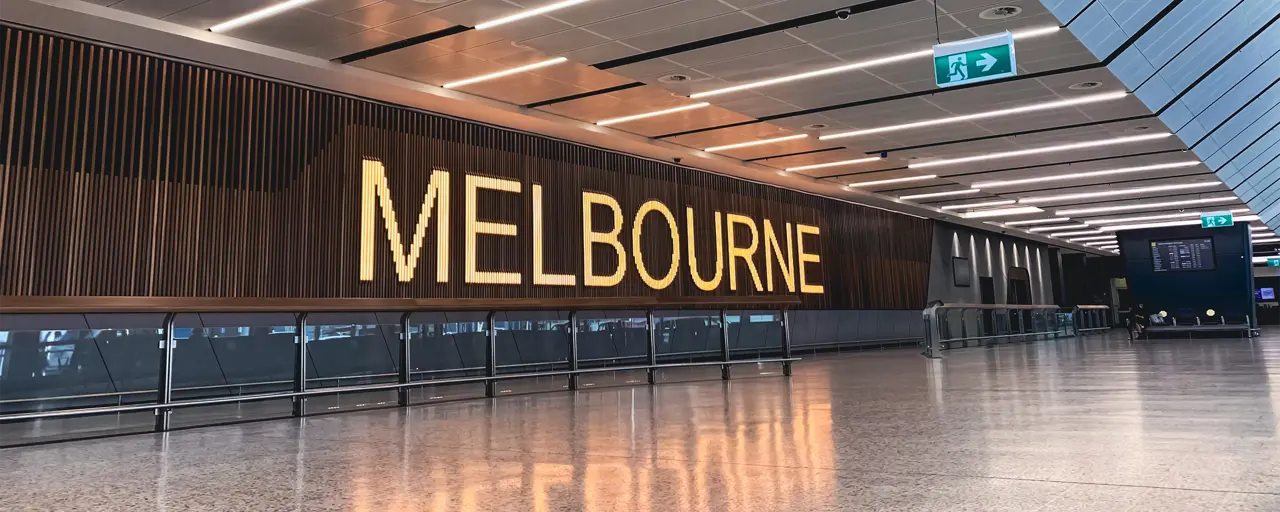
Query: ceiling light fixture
(977, 205)
(921, 54)
(858, 161)
(1001, 212)
(1043, 229)
(1081, 175)
(940, 194)
(1088, 238)
(259, 14)
(529, 13)
(755, 143)
(1126, 227)
(1030, 222)
(1117, 192)
(657, 113)
(1077, 233)
(1147, 206)
(508, 72)
(982, 115)
(1046, 149)
(878, 182)
(1111, 248)
(1143, 218)
(1259, 228)
(1259, 241)
(1110, 241)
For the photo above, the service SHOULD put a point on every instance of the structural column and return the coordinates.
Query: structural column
(300, 366)
(164, 388)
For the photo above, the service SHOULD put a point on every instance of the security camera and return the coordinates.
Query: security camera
(844, 14)
(676, 159)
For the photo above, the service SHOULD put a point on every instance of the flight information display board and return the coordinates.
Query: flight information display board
(1181, 255)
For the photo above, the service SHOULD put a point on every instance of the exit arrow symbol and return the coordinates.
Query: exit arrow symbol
(987, 62)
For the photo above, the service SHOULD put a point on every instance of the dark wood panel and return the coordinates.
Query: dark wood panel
(128, 175)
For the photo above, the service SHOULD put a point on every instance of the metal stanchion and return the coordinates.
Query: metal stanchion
(573, 349)
(164, 388)
(402, 394)
(491, 355)
(786, 341)
(652, 327)
(300, 366)
(724, 344)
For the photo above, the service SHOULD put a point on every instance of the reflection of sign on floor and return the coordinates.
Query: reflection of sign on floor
(974, 60)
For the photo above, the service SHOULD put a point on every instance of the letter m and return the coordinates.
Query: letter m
(375, 195)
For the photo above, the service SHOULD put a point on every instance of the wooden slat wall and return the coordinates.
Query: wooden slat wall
(130, 175)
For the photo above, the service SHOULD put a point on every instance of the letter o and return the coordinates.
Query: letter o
(653, 205)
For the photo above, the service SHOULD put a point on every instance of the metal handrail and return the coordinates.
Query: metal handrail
(165, 404)
(937, 332)
(366, 388)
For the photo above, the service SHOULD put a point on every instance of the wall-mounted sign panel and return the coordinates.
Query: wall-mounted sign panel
(974, 60)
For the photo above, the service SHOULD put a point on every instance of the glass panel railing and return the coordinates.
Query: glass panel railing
(688, 336)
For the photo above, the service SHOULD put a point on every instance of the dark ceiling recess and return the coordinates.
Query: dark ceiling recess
(581, 95)
(824, 150)
(752, 32)
(401, 44)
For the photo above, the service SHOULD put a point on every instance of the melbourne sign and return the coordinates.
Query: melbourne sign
(734, 251)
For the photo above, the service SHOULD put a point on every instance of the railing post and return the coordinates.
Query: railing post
(932, 333)
(406, 375)
(724, 344)
(786, 341)
(491, 355)
(300, 365)
(573, 349)
(164, 388)
(652, 327)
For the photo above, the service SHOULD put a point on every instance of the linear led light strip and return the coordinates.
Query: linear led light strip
(1044, 229)
(529, 13)
(1088, 238)
(1081, 175)
(868, 183)
(1037, 151)
(1110, 241)
(1117, 192)
(506, 72)
(1004, 202)
(921, 54)
(624, 119)
(755, 143)
(857, 161)
(1143, 218)
(1001, 212)
(259, 14)
(1125, 227)
(982, 115)
(941, 194)
(1147, 206)
(1030, 222)
(1077, 233)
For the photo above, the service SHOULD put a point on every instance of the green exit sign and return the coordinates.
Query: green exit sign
(974, 60)
(1216, 220)
(1273, 262)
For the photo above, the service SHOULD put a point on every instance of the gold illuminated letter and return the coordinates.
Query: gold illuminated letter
(743, 253)
(703, 284)
(772, 249)
(636, 226)
(590, 238)
(540, 277)
(375, 193)
(475, 227)
(801, 231)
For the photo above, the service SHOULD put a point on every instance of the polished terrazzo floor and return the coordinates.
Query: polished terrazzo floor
(1073, 425)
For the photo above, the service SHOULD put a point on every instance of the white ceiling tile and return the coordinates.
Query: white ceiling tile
(600, 10)
(658, 18)
(694, 31)
(565, 41)
(155, 8)
(743, 48)
(336, 7)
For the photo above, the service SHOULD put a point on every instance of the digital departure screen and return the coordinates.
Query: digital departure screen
(1182, 255)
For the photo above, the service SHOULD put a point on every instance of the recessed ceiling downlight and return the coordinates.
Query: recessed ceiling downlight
(1000, 13)
(1084, 86)
(674, 79)
(816, 126)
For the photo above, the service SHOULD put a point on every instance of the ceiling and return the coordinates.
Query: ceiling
(632, 57)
